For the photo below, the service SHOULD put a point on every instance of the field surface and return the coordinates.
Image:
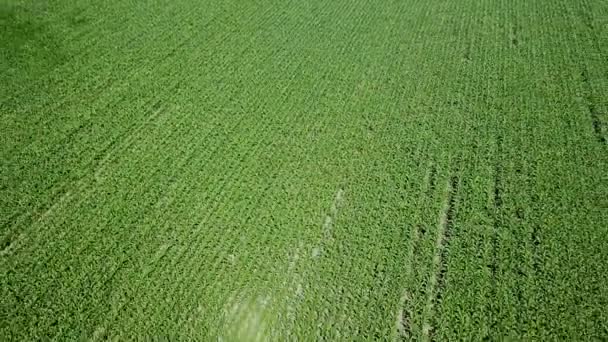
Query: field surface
(304, 170)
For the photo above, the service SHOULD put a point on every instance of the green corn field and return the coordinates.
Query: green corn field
(304, 170)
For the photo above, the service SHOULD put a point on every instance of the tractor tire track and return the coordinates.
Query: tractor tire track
(437, 280)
